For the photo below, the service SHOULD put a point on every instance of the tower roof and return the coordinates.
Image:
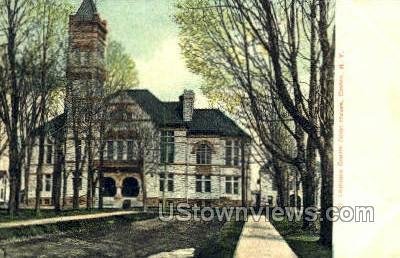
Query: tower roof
(87, 10)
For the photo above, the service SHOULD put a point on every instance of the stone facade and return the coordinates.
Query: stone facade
(184, 168)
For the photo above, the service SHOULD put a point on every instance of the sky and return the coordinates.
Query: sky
(147, 31)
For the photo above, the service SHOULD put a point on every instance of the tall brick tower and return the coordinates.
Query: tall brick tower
(86, 53)
(86, 75)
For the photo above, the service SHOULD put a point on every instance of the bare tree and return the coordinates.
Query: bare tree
(13, 15)
(260, 51)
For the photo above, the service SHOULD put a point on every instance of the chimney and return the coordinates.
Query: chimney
(187, 103)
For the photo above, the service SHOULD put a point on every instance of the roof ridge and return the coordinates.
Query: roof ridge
(208, 109)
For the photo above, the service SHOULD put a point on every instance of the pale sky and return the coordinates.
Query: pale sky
(147, 31)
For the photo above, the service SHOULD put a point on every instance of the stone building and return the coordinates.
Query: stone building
(151, 150)
(266, 193)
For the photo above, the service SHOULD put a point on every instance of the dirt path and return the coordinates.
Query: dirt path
(123, 239)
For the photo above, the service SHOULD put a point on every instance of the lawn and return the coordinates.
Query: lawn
(99, 224)
(223, 244)
(304, 243)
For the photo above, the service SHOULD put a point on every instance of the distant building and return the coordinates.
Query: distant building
(267, 195)
(267, 192)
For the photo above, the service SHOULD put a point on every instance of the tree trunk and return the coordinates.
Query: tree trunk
(143, 178)
(76, 174)
(42, 136)
(280, 176)
(90, 177)
(14, 148)
(14, 170)
(101, 178)
(64, 186)
(39, 170)
(28, 170)
(57, 173)
(309, 183)
(326, 192)
(243, 168)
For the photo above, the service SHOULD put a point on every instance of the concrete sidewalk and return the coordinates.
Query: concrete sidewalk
(261, 239)
(33, 222)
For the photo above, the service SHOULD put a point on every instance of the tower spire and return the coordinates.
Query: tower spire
(87, 10)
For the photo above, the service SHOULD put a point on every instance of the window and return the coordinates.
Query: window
(1, 193)
(207, 184)
(49, 152)
(236, 151)
(120, 150)
(167, 147)
(203, 154)
(236, 185)
(170, 182)
(228, 185)
(110, 150)
(47, 183)
(232, 150)
(203, 184)
(130, 150)
(198, 184)
(228, 153)
(231, 185)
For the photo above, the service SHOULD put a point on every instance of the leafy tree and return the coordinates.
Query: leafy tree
(121, 69)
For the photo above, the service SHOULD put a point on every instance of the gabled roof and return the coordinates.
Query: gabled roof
(169, 114)
(213, 121)
(87, 10)
(54, 126)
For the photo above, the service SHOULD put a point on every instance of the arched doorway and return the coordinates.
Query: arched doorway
(110, 188)
(130, 187)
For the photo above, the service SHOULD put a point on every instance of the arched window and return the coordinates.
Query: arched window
(130, 187)
(203, 154)
(109, 187)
